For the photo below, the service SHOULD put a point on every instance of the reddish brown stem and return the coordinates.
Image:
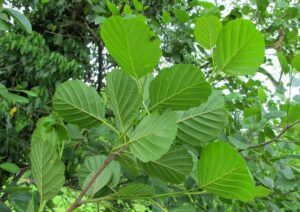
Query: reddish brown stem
(273, 139)
(107, 161)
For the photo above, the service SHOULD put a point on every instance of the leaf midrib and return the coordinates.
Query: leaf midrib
(176, 93)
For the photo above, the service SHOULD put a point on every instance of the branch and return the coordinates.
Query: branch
(274, 81)
(273, 139)
(171, 194)
(107, 161)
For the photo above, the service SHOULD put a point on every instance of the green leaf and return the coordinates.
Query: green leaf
(181, 15)
(296, 62)
(292, 112)
(172, 167)
(207, 29)
(20, 19)
(5, 26)
(132, 45)
(179, 87)
(78, 104)
(134, 191)
(202, 123)
(283, 62)
(41, 133)
(29, 93)
(261, 94)
(129, 164)
(4, 208)
(47, 169)
(224, 172)
(261, 191)
(124, 98)
(166, 17)
(10, 167)
(240, 48)
(89, 168)
(127, 10)
(153, 136)
(10, 96)
(112, 8)
(137, 5)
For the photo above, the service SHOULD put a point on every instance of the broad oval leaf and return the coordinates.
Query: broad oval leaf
(153, 136)
(132, 44)
(134, 191)
(172, 167)
(207, 29)
(78, 104)
(223, 171)
(203, 123)
(89, 168)
(47, 169)
(179, 87)
(124, 98)
(240, 48)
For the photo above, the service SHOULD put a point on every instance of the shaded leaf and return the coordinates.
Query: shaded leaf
(89, 168)
(124, 98)
(47, 169)
(134, 191)
(172, 167)
(202, 123)
(153, 136)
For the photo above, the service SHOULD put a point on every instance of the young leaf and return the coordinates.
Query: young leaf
(90, 167)
(172, 167)
(240, 48)
(261, 191)
(78, 104)
(153, 136)
(20, 19)
(47, 169)
(222, 171)
(112, 8)
(137, 5)
(132, 45)
(203, 123)
(207, 30)
(124, 97)
(179, 88)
